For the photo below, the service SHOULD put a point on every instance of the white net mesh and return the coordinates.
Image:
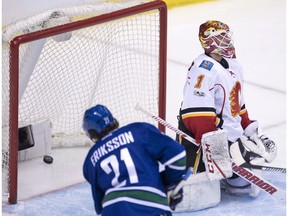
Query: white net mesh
(115, 63)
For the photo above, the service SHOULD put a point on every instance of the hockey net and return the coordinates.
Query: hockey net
(59, 63)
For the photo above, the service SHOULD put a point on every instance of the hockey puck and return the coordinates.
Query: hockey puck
(48, 159)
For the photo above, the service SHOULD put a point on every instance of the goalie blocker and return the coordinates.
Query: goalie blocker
(203, 190)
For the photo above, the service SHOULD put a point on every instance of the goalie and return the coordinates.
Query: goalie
(213, 99)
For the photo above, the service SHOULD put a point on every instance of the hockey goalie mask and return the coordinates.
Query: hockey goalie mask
(216, 37)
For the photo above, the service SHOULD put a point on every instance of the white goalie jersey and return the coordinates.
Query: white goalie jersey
(213, 97)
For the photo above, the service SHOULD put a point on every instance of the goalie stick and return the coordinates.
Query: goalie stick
(250, 176)
(264, 168)
(166, 124)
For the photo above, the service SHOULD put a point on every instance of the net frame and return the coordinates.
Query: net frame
(14, 73)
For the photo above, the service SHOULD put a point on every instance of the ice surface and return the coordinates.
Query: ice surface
(260, 41)
(77, 201)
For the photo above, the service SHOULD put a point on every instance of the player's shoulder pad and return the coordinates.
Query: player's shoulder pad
(141, 125)
(206, 65)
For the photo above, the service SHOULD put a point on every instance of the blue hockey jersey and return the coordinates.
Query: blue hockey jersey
(123, 170)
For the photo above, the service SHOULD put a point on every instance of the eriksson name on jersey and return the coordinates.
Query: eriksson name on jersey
(116, 142)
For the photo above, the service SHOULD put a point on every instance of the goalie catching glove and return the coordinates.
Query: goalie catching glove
(257, 142)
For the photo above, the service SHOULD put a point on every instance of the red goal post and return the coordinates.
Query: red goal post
(55, 69)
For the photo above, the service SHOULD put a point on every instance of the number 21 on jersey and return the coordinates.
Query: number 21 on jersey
(113, 161)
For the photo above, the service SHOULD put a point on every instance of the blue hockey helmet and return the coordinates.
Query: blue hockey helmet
(96, 119)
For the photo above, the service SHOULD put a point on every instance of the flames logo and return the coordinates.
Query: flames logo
(235, 106)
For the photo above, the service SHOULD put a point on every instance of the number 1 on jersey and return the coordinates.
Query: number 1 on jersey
(199, 81)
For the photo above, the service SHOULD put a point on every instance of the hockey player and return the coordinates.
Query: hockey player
(213, 99)
(123, 166)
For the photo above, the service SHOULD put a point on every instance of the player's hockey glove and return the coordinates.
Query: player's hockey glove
(169, 187)
(259, 143)
(176, 199)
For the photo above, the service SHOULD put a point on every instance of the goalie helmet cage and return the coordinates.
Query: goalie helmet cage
(54, 70)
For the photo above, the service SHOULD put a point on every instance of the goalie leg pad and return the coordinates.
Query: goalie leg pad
(199, 193)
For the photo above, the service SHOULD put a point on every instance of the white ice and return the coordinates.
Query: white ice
(260, 41)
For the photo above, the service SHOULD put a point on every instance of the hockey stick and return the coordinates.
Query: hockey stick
(264, 168)
(177, 189)
(166, 124)
(181, 183)
(251, 177)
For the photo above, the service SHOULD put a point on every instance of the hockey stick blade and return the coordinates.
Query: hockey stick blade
(264, 168)
(266, 186)
(250, 176)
